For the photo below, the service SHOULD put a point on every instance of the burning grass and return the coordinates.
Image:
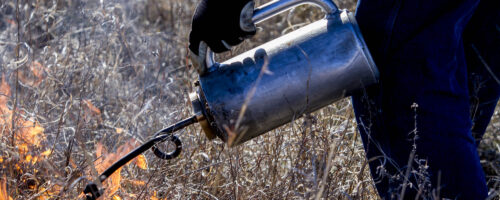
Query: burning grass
(84, 82)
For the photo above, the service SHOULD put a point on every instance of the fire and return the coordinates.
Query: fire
(106, 159)
(154, 197)
(27, 133)
(46, 153)
(28, 136)
(136, 182)
(32, 134)
(141, 162)
(49, 193)
(3, 190)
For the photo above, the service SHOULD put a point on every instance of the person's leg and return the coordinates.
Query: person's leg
(421, 103)
(482, 50)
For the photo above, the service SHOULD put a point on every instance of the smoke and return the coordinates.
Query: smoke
(84, 69)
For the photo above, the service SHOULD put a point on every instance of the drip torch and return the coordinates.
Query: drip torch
(272, 84)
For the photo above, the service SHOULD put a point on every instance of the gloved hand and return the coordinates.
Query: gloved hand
(221, 24)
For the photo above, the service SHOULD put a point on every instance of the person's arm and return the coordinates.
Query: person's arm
(221, 24)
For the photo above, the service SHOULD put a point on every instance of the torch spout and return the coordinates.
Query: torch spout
(92, 192)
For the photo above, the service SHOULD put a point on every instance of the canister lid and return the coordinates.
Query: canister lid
(202, 120)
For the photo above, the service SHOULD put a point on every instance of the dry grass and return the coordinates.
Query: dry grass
(90, 79)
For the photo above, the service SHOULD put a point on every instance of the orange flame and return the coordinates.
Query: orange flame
(136, 182)
(153, 197)
(4, 195)
(26, 133)
(46, 153)
(106, 159)
(141, 162)
(49, 193)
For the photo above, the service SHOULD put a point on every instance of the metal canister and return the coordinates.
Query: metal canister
(283, 79)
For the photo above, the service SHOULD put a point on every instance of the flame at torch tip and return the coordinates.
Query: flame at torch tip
(141, 162)
(106, 159)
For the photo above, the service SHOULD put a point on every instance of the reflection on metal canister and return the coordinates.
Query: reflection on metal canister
(308, 69)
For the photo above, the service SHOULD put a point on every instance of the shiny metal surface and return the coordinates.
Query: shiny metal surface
(307, 69)
(198, 111)
(267, 11)
(278, 6)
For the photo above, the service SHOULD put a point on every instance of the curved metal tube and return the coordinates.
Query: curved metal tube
(274, 8)
(92, 192)
(278, 6)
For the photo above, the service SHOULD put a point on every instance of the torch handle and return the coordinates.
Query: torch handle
(260, 14)
(276, 7)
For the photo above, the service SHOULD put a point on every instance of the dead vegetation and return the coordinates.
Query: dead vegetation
(83, 82)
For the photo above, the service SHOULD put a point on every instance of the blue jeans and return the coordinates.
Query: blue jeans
(439, 85)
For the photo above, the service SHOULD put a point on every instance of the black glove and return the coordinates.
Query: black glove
(221, 24)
